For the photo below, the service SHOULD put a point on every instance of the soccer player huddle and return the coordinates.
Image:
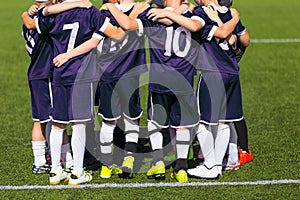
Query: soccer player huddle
(83, 57)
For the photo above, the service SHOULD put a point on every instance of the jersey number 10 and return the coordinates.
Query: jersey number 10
(172, 40)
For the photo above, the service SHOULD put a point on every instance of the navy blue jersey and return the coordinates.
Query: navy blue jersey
(68, 30)
(225, 15)
(171, 70)
(39, 48)
(215, 54)
(122, 59)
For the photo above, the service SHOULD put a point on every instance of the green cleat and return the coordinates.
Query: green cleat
(127, 168)
(157, 171)
(105, 172)
(180, 176)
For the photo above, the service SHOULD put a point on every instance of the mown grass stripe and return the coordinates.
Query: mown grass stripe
(273, 40)
(144, 185)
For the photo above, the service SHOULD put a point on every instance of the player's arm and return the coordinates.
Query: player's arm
(114, 33)
(126, 22)
(28, 21)
(58, 8)
(244, 39)
(227, 28)
(190, 24)
(79, 50)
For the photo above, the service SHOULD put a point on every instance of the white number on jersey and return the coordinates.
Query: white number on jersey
(74, 27)
(173, 41)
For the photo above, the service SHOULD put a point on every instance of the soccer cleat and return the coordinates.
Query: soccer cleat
(76, 180)
(245, 157)
(157, 171)
(57, 177)
(202, 171)
(44, 169)
(106, 172)
(181, 176)
(116, 169)
(127, 168)
(235, 166)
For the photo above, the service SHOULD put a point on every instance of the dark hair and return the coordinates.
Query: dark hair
(226, 3)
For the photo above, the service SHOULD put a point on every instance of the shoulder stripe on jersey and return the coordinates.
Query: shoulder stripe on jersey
(105, 24)
(199, 19)
(140, 30)
(36, 21)
(211, 33)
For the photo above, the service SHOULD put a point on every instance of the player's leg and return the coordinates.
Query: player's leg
(128, 90)
(245, 154)
(41, 106)
(232, 161)
(209, 101)
(183, 117)
(60, 120)
(80, 112)
(110, 110)
(158, 118)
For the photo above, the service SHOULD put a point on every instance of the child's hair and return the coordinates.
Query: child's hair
(226, 3)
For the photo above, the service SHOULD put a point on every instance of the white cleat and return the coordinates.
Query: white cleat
(202, 171)
(76, 180)
(57, 177)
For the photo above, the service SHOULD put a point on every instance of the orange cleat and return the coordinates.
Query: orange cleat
(245, 157)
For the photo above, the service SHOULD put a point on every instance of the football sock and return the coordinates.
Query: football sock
(221, 142)
(66, 156)
(182, 149)
(131, 135)
(56, 138)
(38, 148)
(156, 141)
(78, 146)
(242, 132)
(182, 143)
(106, 143)
(206, 142)
(232, 149)
(233, 153)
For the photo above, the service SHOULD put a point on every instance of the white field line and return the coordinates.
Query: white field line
(145, 185)
(273, 40)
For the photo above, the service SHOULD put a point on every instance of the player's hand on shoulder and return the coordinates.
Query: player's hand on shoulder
(156, 13)
(33, 9)
(86, 4)
(106, 6)
(212, 14)
(234, 13)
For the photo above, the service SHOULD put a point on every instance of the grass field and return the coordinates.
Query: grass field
(271, 99)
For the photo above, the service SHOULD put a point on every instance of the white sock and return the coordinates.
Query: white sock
(66, 155)
(131, 130)
(233, 153)
(182, 143)
(206, 141)
(56, 137)
(38, 148)
(221, 142)
(78, 147)
(156, 137)
(106, 137)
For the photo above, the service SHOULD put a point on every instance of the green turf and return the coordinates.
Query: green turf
(270, 83)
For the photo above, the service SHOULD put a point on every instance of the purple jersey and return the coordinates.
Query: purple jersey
(39, 48)
(171, 56)
(68, 30)
(215, 54)
(122, 59)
